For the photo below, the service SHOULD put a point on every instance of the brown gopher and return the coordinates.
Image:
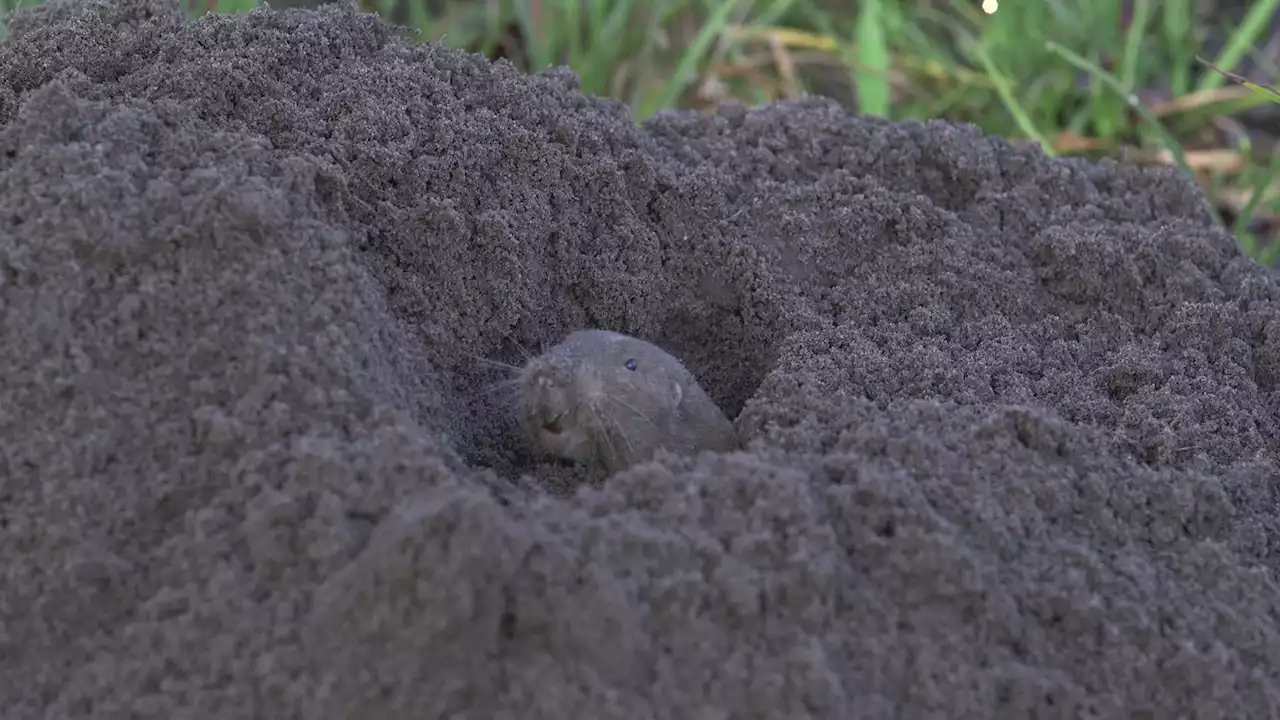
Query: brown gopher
(608, 399)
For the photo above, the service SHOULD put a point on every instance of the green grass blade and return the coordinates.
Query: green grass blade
(1269, 92)
(775, 12)
(873, 55)
(494, 22)
(1261, 188)
(535, 41)
(1177, 16)
(418, 16)
(714, 26)
(1134, 35)
(613, 40)
(570, 24)
(1004, 88)
(1267, 258)
(1108, 80)
(1245, 35)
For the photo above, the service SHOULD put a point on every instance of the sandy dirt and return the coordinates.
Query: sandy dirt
(1011, 421)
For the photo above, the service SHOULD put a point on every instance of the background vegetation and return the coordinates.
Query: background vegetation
(1118, 78)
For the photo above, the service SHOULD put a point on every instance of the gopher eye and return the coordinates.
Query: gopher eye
(630, 364)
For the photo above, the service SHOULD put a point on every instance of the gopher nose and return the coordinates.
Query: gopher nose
(555, 373)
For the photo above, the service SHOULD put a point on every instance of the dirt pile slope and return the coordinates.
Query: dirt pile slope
(1012, 421)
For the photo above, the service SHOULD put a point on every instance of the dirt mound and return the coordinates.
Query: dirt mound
(1012, 421)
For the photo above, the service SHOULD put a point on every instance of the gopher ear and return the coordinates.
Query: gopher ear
(677, 393)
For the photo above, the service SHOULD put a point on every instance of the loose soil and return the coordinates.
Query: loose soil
(1011, 421)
